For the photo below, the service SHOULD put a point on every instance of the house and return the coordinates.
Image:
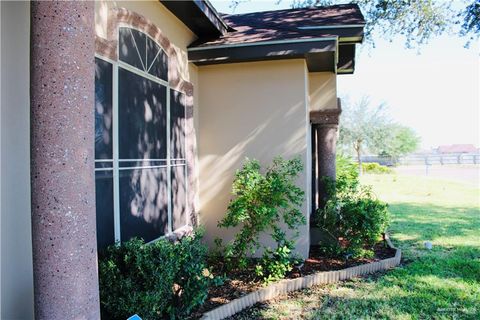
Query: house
(456, 148)
(122, 119)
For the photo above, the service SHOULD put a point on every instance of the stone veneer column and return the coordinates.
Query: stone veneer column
(325, 126)
(62, 160)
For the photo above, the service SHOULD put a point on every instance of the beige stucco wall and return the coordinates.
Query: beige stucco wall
(256, 110)
(322, 90)
(16, 297)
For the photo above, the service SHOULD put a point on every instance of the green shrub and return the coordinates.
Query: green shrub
(376, 168)
(353, 217)
(347, 178)
(262, 203)
(275, 264)
(357, 218)
(158, 280)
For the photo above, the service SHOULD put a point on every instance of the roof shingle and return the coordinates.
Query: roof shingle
(286, 24)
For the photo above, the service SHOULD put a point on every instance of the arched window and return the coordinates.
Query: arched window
(140, 162)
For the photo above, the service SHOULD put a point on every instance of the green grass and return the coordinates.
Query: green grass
(443, 283)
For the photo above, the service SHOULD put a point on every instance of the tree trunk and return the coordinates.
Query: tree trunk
(359, 158)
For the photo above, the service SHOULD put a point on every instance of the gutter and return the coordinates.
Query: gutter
(270, 50)
(340, 26)
(204, 6)
(217, 15)
(261, 43)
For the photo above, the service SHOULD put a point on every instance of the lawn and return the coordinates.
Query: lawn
(442, 283)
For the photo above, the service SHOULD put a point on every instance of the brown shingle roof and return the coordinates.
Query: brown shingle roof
(285, 24)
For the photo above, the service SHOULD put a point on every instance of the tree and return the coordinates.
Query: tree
(471, 20)
(363, 127)
(401, 141)
(366, 128)
(416, 20)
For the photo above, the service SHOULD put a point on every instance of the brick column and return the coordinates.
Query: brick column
(325, 133)
(62, 160)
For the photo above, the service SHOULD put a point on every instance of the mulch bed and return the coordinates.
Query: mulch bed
(240, 283)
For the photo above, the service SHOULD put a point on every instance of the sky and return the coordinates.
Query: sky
(434, 90)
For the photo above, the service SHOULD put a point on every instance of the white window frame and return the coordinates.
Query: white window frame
(115, 143)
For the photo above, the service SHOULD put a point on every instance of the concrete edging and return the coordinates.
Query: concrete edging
(288, 285)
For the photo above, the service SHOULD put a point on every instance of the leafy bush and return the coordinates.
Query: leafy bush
(375, 168)
(157, 280)
(347, 177)
(352, 216)
(357, 219)
(262, 203)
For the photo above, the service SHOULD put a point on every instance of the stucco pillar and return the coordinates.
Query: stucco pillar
(325, 128)
(62, 160)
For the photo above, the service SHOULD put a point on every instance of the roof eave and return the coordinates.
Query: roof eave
(199, 16)
(345, 33)
(320, 54)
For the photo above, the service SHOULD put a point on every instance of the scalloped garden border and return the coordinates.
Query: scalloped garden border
(284, 286)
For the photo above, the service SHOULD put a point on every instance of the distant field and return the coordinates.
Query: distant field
(461, 173)
(443, 283)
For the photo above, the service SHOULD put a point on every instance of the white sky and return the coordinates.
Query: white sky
(436, 92)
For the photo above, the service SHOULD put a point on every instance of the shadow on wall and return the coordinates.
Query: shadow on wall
(279, 133)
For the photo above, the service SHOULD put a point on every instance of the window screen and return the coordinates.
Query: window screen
(103, 153)
(177, 152)
(142, 115)
(140, 154)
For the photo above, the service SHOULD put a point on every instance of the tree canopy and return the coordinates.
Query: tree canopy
(416, 20)
(363, 127)
(366, 128)
(402, 140)
(471, 20)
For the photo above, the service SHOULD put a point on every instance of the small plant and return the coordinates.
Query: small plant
(157, 280)
(262, 203)
(376, 168)
(353, 217)
(275, 264)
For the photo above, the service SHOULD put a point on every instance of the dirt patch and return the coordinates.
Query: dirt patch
(240, 283)
(316, 262)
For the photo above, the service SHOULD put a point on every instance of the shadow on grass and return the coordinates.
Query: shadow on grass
(429, 288)
(443, 283)
(420, 222)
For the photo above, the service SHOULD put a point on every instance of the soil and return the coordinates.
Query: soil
(240, 283)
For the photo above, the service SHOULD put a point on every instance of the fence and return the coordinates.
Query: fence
(427, 159)
(430, 159)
